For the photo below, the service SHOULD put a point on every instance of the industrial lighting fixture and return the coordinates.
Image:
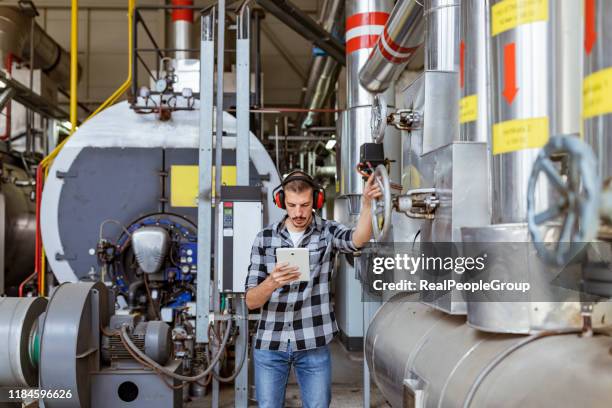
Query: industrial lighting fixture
(330, 144)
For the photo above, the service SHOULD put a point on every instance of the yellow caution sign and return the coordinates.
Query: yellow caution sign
(184, 184)
(509, 14)
(468, 109)
(520, 134)
(597, 94)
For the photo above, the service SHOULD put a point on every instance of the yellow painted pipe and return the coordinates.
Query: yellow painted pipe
(74, 63)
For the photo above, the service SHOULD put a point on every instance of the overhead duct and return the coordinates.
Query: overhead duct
(402, 36)
(325, 69)
(49, 56)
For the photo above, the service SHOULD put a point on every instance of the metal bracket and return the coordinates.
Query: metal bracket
(414, 393)
(66, 174)
(65, 257)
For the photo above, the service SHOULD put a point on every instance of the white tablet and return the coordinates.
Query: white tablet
(295, 257)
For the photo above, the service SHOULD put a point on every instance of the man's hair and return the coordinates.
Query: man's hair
(298, 186)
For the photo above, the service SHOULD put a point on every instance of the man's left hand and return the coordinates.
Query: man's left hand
(371, 191)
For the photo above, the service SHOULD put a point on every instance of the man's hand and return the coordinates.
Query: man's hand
(283, 274)
(371, 191)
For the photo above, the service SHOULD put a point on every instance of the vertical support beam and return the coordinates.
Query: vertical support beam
(243, 93)
(2, 240)
(207, 71)
(243, 98)
(74, 62)
(218, 169)
(241, 384)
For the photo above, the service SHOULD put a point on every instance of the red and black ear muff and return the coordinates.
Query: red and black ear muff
(279, 197)
(318, 195)
(318, 198)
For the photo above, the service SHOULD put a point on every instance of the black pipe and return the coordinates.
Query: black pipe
(304, 25)
(133, 290)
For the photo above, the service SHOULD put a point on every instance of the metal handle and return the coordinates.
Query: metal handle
(378, 120)
(381, 208)
(578, 206)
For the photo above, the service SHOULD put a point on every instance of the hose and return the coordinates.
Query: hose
(238, 366)
(131, 347)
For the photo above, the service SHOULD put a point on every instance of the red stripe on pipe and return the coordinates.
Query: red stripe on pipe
(395, 46)
(363, 41)
(393, 59)
(182, 14)
(360, 19)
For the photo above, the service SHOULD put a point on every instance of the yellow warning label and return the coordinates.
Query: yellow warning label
(519, 134)
(468, 109)
(597, 94)
(184, 182)
(508, 14)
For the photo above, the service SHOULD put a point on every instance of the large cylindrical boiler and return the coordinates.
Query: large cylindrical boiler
(18, 216)
(535, 86)
(415, 352)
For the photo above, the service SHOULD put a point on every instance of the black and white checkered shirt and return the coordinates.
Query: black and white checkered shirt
(301, 312)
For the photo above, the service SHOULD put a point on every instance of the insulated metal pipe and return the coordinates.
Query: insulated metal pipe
(536, 93)
(442, 23)
(182, 22)
(324, 70)
(597, 86)
(364, 24)
(401, 38)
(474, 111)
(49, 56)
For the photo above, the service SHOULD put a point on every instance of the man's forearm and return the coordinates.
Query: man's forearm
(363, 231)
(258, 296)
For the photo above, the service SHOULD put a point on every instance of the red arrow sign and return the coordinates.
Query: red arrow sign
(590, 32)
(462, 64)
(510, 89)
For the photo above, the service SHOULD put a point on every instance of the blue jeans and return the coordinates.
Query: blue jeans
(312, 369)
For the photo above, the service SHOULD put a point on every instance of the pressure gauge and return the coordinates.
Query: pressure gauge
(161, 85)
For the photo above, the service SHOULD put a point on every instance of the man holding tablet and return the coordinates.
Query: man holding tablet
(297, 318)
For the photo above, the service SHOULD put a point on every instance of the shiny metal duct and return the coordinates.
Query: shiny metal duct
(402, 36)
(324, 69)
(474, 56)
(416, 353)
(365, 21)
(442, 24)
(598, 82)
(182, 22)
(535, 88)
(49, 56)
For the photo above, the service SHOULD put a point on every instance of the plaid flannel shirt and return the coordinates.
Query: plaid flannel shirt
(301, 312)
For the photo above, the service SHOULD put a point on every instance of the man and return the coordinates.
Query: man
(297, 318)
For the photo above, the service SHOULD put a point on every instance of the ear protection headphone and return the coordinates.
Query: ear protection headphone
(318, 195)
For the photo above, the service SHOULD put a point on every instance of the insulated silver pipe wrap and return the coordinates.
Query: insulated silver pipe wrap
(401, 38)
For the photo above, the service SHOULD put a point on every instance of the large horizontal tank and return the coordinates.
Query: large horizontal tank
(122, 166)
(420, 355)
(17, 226)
